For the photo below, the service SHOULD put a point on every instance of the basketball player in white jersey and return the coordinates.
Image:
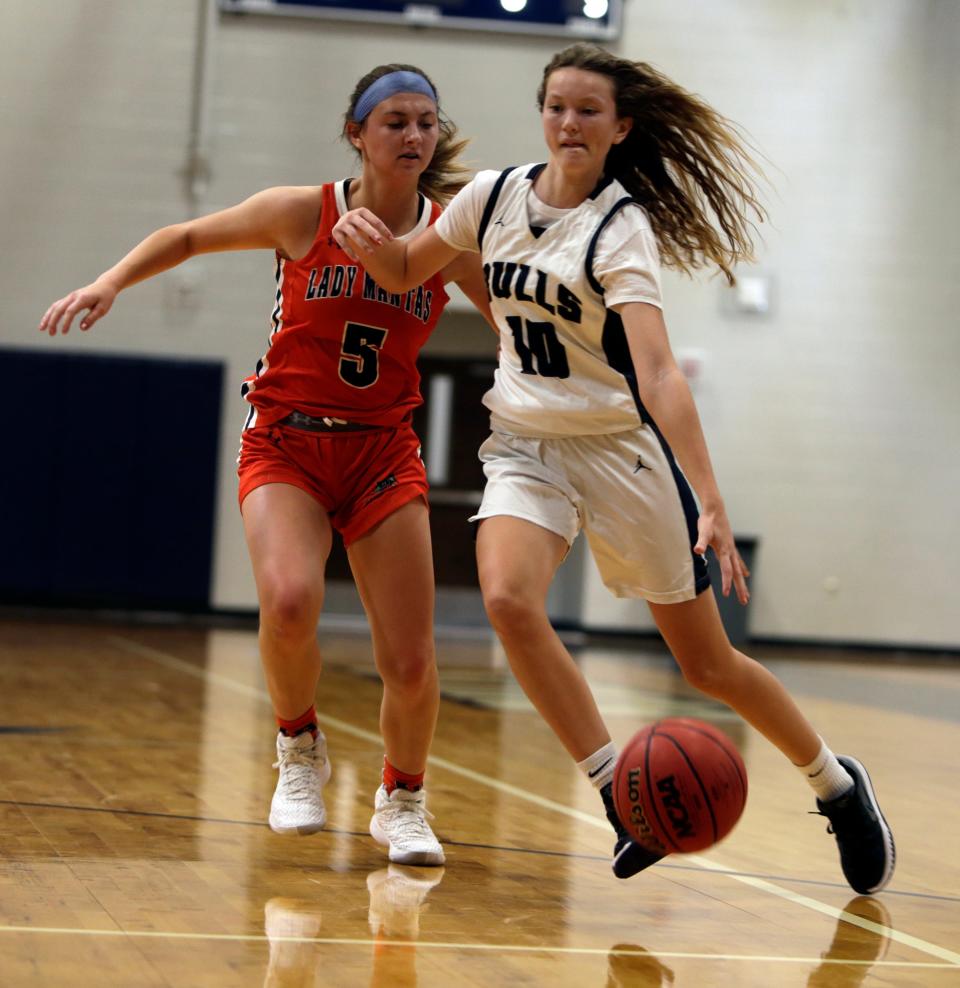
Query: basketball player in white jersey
(592, 420)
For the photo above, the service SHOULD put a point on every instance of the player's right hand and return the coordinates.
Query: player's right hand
(96, 299)
(359, 231)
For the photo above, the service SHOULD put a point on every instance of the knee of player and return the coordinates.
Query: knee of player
(510, 609)
(289, 608)
(412, 671)
(707, 674)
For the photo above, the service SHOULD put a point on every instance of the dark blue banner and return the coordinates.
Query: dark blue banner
(588, 19)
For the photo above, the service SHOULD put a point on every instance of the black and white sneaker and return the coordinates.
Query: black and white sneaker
(629, 857)
(867, 852)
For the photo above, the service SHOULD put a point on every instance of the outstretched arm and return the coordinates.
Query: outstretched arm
(396, 265)
(275, 218)
(666, 394)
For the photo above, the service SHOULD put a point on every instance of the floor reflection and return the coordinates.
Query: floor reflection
(630, 966)
(289, 925)
(853, 943)
(398, 896)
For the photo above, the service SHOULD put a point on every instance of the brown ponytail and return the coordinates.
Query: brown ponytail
(687, 165)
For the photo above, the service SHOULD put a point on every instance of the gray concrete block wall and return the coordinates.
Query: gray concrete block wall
(834, 423)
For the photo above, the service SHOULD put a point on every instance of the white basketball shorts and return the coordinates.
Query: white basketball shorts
(623, 489)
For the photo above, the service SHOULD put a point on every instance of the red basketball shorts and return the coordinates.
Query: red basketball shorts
(358, 477)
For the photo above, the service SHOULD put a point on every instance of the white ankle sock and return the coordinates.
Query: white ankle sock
(598, 767)
(826, 776)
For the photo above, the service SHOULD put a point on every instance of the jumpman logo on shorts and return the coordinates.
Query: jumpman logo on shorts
(641, 466)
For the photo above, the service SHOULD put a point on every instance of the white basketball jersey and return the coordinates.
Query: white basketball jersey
(565, 367)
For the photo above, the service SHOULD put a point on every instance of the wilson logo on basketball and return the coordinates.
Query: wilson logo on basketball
(673, 804)
(638, 820)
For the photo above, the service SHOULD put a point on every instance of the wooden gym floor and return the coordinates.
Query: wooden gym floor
(135, 778)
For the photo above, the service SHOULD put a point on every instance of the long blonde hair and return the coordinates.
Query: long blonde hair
(445, 176)
(682, 161)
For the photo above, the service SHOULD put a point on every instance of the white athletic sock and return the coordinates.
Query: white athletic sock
(826, 776)
(598, 767)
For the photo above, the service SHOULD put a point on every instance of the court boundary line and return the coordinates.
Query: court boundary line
(671, 865)
(905, 939)
(513, 948)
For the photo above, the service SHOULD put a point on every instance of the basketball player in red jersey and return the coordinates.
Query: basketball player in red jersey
(328, 442)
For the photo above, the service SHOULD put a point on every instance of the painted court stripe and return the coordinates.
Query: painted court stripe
(441, 945)
(934, 950)
(358, 732)
(804, 900)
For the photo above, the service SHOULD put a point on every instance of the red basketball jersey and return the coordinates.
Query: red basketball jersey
(340, 345)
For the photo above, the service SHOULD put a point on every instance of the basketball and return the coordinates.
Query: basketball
(679, 785)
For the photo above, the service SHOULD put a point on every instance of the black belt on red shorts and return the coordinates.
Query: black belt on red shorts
(298, 420)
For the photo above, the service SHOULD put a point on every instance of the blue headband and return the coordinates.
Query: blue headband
(389, 85)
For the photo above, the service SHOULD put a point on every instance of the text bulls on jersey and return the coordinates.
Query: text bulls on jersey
(340, 280)
(508, 279)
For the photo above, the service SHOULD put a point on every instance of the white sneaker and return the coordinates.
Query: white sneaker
(400, 823)
(397, 895)
(297, 806)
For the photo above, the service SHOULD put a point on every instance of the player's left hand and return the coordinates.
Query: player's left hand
(713, 529)
(360, 231)
(96, 299)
